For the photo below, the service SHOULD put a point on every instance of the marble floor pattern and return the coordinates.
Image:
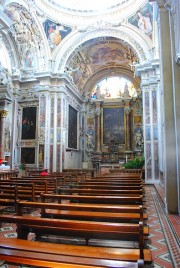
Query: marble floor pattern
(164, 239)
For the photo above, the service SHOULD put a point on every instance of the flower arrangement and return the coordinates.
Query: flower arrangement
(135, 163)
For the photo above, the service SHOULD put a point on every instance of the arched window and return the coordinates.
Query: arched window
(4, 57)
(114, 87)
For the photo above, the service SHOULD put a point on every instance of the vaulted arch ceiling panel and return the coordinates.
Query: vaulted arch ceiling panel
(97, 55)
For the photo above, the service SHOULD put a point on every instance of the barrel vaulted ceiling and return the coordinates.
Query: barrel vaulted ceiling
(107, 55)
(93, 59)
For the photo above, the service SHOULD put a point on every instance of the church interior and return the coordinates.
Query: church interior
(89, 116)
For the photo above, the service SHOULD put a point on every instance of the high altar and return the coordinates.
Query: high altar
(114, 132)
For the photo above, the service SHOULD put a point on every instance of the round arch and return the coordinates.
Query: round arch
(41, 48)
(140, 43)
(110, 72)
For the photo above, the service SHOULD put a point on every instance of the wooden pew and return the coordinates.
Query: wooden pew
(38, 187)
(118, 180)
(8, 174)
(132, 175)
(11, 194)
(109, 186)
(81, 229)
(71, 212)
(126, 170)
(89, 171)
(94, 191)
(96, 199)
(84, 207)
(9, 199)
(62, 180)
(43, 184)
(42, 254)
(13, 191)
(35, 171)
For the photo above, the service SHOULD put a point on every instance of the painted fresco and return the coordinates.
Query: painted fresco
(64, 114)
(51, 158)
(113, 125)
(28, 123)
(55, 33)
(154, 104)
(51, 135)
(72, 128)
(148, 161)
(98, 52)
(8, 124)
(148, 133)
(58, 157)
(41, 154)
(143, 19)
(28, 155)
(137, 119)
(147, 108)
(155, 132)
(156, 162)
(58, 135)
(58, 112)
(42, 107)
(52, 112)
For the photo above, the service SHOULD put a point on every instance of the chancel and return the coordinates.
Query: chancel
(89, 114)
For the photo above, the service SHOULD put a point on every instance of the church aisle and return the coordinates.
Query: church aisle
(167, 225)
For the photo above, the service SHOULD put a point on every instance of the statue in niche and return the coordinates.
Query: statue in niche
(3, 75)
(90, 139)
(138, 138)
(29, 60)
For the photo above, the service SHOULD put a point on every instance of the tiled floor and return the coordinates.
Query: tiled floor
(163, 240)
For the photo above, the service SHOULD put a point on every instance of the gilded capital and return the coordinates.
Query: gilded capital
(127, 109)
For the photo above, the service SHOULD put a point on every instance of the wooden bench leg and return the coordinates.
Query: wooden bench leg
(87, 240)
(22, 232)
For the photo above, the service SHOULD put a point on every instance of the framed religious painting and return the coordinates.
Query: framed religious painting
(28, 155)
(113, 125)
(28, 123)
(72, 128)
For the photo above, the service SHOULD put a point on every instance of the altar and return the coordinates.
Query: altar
(106, 166)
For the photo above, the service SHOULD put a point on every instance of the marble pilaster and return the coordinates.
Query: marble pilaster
(3, 115)
(168, 87)
(98, 126)
(127, 112)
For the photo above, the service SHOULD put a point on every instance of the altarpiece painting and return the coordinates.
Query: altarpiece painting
(113, 125)
(28, 123)
(72, 128)
(28, 155)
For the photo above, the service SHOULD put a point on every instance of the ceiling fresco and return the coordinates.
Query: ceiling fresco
(99, 54)
(55, 32)
(92, 60)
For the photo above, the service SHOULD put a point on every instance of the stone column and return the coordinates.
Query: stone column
(98, 126)
(3, 115)
(127, 112)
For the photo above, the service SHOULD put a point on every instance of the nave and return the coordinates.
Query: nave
(162, 241)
